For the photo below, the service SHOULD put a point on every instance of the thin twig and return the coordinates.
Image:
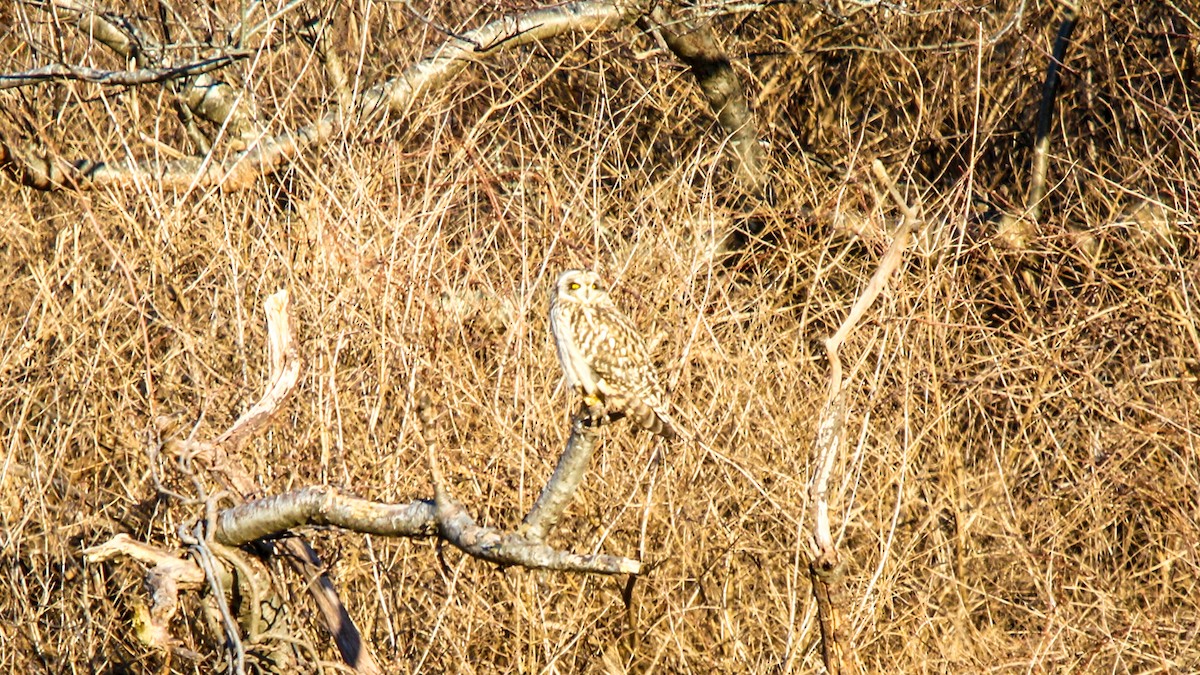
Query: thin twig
(825, 566)
(57, 72)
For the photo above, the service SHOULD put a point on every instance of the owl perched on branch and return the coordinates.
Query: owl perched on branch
(603, 355)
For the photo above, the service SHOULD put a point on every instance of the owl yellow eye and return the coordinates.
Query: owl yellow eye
(573, 286)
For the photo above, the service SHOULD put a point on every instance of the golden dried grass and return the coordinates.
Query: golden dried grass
(1020, 490)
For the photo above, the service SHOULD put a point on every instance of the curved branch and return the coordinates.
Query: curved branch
(202, 95)
(242, 169)
(322, 505)
(448, 60)
(237, 173)
(825, 565)
(285, 372)
(221, 453)
(695, 44)
(569, 472)
(485, 543)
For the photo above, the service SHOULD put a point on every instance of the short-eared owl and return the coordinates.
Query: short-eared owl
(603, 355)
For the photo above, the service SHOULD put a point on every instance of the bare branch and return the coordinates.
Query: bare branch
(237, 173)
(572, 465)
(285, 371)
(825, 566)
(267, 155)
(322, 505)
(57, 72)
(184, 571)
(102, 28)
(163, 580)
(695, 43)
(316, 34)
(458, 528)
(285, 368)
(205, 96)
(221, 103)
(587, 16)
(355, 652)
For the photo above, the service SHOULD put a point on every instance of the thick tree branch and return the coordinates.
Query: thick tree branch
(695, 44)
(443, 516)
(316, 35)
(457, 527)
(216, 101)
(221, 454)
(321, 505)
(560, 489)
(260, 520)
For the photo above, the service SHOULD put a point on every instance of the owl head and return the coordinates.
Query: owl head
(581, 286)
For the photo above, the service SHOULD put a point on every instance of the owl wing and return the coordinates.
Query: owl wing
(627, 376)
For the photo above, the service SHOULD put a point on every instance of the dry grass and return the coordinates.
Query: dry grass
(1022, 484)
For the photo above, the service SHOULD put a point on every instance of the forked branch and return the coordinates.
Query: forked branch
(264, 154)
(449, 520)
(267, 518)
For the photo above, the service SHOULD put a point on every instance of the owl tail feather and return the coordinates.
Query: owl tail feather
(654, 421)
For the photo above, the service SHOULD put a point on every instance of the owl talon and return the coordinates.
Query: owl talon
(597, 415)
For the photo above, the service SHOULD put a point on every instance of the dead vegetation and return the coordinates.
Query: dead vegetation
(1019, 492)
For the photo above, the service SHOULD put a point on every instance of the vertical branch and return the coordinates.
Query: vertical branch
(569, 472)
(1041, 147)
(825, 566)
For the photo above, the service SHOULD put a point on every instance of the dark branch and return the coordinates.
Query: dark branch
(57, 72)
